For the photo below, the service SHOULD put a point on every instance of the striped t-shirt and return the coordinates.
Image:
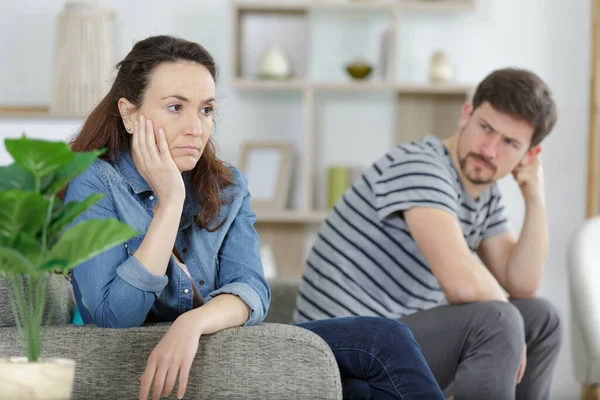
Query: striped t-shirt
(364, 260)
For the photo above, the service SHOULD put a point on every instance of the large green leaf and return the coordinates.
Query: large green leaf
(70, 211)
(12, 261)
(40, 157)
(88, 239)
(21, 212)
(80, 162)
(14, 177)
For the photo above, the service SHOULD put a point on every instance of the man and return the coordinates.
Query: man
(401, 244)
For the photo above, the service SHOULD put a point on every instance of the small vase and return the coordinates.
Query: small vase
(440, 68)
(47, 379)
(274, 64)
(83, 58)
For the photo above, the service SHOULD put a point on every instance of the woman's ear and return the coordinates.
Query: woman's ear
(531, 154)
(128, 114)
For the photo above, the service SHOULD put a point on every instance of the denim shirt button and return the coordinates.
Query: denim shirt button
(186, 291)
(201, 282)
(151, 197)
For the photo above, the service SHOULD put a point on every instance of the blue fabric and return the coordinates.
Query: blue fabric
(378, 358)
(115, 290)
(77, 320)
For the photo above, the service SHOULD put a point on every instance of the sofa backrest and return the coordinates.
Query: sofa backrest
(283, 300)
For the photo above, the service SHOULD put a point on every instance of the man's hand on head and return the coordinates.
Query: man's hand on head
(530, 176)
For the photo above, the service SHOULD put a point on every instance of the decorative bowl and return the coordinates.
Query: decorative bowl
(359, 69)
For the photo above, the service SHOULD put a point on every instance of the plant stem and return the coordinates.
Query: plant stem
(45, 226)
(10, 289)
(22, 304)
(38, 184)
(33, 338)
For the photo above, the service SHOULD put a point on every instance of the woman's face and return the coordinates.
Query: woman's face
(180, 99)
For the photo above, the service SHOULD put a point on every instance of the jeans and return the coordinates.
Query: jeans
(378, 358)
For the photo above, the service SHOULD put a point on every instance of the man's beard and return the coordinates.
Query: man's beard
(473, 180)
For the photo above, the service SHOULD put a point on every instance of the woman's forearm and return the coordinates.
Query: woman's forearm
(222, 312)
(156, 248)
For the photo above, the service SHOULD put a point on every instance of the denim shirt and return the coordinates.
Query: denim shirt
(114, 289)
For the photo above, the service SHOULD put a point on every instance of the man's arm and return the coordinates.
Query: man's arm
(518, 264)
(462, 277)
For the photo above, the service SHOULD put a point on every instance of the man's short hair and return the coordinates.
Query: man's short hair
(521, 94)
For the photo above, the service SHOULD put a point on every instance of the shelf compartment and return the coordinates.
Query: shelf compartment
(290, 216)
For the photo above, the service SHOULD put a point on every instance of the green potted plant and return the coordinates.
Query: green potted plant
(38, 238)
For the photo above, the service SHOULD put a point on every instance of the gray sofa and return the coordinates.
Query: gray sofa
(271, 361)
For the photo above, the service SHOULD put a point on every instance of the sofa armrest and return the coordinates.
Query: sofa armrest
(583, 261)
(268, 361)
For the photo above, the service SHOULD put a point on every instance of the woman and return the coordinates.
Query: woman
(197, 263)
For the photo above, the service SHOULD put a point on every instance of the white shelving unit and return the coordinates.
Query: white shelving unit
(420, 107)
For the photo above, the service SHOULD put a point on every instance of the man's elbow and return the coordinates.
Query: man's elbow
(461, 294)
(522, 293)
(473, 292)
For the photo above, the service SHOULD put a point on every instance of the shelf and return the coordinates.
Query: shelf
(355, 85)
(268, 84)
(354, 5)
(33, 112)
(290, 216)
(401, 88)
(437, 5)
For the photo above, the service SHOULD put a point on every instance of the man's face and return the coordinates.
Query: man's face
(492, 144)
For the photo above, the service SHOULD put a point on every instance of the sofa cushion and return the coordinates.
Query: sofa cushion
(59, 290)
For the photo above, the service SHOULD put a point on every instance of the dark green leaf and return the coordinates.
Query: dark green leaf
(40, 157)
(70, 212)
(80, 162)
(14, 177)
(12, 261)
(28, 246)
(21, 212)
(88, 239)
(53, 266)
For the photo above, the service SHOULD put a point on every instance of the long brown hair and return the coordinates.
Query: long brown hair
(104, 129)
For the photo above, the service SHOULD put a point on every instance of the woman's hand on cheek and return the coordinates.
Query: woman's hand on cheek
(173, 355)
(153, 159)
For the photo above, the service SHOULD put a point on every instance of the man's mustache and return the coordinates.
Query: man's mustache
(483, 159)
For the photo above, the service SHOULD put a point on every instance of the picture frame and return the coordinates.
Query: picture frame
(268, 168)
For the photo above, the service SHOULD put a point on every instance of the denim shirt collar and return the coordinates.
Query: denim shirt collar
(127, 168)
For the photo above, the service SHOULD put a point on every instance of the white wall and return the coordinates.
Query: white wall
(548, 37)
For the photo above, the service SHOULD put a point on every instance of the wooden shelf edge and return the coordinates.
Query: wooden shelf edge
(33, 112)
(267, 84)
(401, 88)
(290, 216)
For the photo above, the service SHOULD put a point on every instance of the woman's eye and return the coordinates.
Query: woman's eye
(207, 110)
(175, 107)
(486, 128)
